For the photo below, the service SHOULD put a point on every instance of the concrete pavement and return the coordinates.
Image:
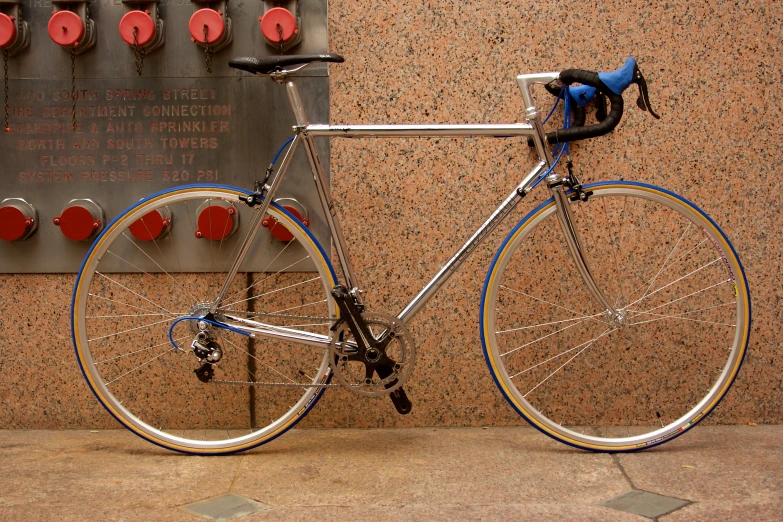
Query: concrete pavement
(514, 473)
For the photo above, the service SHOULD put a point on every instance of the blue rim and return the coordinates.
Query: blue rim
(79, 275)
(522, 223)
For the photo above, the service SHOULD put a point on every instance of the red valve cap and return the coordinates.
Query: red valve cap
(149, 227)
(77, 223)
(142, 23)
(66, 28)
(282, 17)
(209, 19)
(7, 31)
(215, 222)
(13, 223)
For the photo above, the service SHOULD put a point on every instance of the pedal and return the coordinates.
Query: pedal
(401, 401)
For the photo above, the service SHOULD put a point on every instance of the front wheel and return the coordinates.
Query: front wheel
(636, 379)
(165, 259)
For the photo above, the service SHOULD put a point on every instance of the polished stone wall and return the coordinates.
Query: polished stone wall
(715, 74)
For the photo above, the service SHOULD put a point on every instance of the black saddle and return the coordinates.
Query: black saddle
(273, 64)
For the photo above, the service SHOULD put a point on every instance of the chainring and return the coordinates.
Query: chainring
(358, 372)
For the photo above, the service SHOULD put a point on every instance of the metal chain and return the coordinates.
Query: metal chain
(138, 52)
(5, 86)
(207, 49)
(278, 384)
(280, 35)
(73, 88)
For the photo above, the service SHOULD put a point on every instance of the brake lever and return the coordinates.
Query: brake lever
(643, 101)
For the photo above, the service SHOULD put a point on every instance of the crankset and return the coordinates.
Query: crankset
(373, 353)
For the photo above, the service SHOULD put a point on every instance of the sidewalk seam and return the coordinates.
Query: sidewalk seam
(237, 473)
(617, 463)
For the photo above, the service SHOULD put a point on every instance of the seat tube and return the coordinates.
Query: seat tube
(324, 193)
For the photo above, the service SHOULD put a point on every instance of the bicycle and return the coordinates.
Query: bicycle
(228, 348)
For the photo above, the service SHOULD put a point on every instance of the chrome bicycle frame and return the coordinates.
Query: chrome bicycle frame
(306, 133)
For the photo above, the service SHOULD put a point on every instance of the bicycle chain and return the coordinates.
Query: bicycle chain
(5, 86)
(138, 52)
(207, 49)
(274, 384)
(73, 88)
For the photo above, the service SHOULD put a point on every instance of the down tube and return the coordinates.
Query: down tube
(475, 240)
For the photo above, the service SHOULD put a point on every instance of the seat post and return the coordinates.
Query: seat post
(295, 100)
(322, 186)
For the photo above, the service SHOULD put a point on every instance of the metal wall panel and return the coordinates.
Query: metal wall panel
(176, 124)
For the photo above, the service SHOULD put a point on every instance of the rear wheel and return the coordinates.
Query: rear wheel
(617, 383)
(140, 279)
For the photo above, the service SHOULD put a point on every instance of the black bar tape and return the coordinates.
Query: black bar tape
(580, 115)
(590, 78)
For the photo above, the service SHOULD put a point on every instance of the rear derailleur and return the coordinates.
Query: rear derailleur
(207, 350)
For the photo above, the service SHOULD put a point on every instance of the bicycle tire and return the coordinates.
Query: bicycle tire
(626, 384)
(130, 293)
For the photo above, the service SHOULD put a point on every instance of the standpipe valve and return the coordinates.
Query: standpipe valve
(142, 29)
(14, 38)
(210, 28)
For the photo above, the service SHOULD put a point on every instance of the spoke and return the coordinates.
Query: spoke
(661, 317)
(123, 303)
(210, 246)
(541, 338)
(275, 291)
(580, 314)
(674, 262)
(176, 255)
(155, 262)
(130, 330)
(652, 281)
(124, 315)
(591, 342)
(261, 281)
(193, 228)
(140, 366)
(134, 293)
(300, 306)
(690, 311)
(242, 292)
(284, 376)
(545, 324)
(676, 281)
(139, 351)
(223, 234)
(552, 358)
(680, 298)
